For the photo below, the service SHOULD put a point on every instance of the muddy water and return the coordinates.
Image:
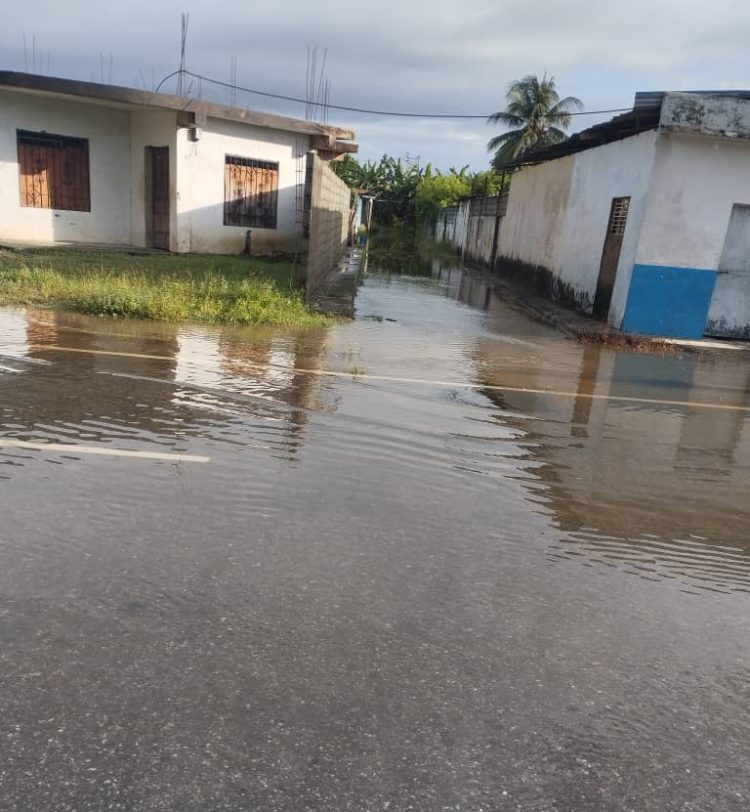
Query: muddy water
(436, 558)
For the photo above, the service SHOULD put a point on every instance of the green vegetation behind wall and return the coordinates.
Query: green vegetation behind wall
(407, 194)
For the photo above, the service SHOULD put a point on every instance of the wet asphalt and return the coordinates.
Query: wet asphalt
(437, 558)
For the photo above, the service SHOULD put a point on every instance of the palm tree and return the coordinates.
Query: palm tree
(537, 114)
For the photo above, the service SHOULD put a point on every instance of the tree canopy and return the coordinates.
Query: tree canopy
(407, 192)
(537, 116)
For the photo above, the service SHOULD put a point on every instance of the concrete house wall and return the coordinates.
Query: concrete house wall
(553, 233)
(120, 124)
(200, 186)
(683, 268)
(108, 132)
(117, 155)
(696, 182)
(149, 128)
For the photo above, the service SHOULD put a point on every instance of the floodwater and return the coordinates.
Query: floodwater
(437, 558)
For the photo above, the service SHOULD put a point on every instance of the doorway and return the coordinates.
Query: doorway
(157, 197)
(618, 218)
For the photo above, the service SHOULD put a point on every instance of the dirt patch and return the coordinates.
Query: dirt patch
(618, 340)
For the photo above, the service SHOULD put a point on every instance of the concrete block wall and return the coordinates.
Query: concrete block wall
(330, 205)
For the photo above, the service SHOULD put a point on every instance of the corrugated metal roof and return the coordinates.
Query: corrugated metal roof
(644, 116)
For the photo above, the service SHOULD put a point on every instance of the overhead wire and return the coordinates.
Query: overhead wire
(365, 110)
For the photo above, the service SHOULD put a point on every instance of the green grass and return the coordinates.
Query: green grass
(161, 287)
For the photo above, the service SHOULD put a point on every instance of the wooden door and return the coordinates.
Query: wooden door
(618, 217)
(159, 197)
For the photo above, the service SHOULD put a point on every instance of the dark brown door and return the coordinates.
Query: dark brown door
(158, 197)
(618, 218)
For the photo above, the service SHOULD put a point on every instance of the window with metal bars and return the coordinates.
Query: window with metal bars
(618, 215)
(251, 191)
(53, 171)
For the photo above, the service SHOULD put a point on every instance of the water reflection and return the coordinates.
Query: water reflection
(620, 459)
(102, 380)
(648, 480)
(606, 445)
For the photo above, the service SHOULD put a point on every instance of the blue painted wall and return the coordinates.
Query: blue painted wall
(670, 302)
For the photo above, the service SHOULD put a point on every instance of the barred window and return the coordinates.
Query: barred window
(53, 171)
(251, 190)
(618, 215)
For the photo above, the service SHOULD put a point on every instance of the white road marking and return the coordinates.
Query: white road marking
(7, 442)
(24, 359)
(326, 373)
(55, 348)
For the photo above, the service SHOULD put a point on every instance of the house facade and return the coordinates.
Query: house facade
(89, 163)
(644, 220)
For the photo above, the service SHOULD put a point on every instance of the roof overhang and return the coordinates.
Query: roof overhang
(125, 97)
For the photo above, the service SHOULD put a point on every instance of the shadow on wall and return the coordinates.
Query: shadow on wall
(202, 229)
(330, 205)
(198, 230)
(326, 247)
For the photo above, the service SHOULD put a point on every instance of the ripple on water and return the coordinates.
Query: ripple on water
(697, 563)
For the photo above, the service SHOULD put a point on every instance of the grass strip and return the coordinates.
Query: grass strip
(161, 287)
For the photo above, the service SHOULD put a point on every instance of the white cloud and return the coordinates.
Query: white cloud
(430, 55)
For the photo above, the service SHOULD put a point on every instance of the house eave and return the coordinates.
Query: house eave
(129, 97)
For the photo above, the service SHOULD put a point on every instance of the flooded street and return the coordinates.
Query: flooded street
(437, 558)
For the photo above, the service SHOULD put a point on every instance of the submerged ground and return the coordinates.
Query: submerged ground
(438, 558)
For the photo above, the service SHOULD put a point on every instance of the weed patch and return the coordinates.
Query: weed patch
(160, 287)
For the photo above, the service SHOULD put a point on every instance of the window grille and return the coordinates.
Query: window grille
(618, 216)
(53, 171)
(251, 189)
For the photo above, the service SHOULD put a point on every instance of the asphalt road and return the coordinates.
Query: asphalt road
(438, 558)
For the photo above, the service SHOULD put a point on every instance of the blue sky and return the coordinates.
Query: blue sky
(409, 55)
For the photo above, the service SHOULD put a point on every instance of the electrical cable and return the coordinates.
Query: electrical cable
(364, 109)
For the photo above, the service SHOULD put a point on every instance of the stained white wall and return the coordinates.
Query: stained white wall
(480, 239)
(108, 133)
(729, 313)
(536, 209)
(200, 186)
(705, 114)
(461, 227)
(696, 182)
(558, 211)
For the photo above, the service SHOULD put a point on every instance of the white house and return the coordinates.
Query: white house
(91, 163)
(643, 220)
